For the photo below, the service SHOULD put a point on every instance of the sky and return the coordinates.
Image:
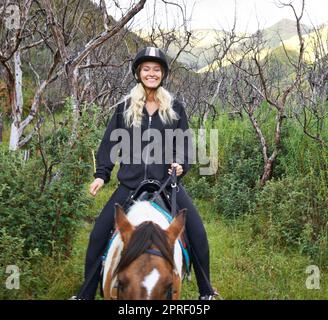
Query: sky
(219, 14)
(252, 14)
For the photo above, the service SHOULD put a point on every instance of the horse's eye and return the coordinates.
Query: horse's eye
(169, 291)
(120, 285)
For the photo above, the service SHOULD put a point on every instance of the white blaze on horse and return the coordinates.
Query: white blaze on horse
(145, 259)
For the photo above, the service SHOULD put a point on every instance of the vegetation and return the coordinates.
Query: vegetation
(265, 209)
(261, 239)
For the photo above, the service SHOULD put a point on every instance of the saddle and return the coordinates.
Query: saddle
(146, 191)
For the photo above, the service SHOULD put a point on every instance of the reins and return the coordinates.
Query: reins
(174, 186)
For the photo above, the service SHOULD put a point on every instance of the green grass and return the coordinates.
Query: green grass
(241, 267)
(245, 268)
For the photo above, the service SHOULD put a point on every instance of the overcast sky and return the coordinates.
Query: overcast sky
(219, 14)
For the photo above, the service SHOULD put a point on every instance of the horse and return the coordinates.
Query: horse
(145, 259)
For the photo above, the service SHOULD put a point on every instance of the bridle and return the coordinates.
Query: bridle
(158, 253)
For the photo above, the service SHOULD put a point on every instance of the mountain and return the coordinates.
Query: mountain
(282, 30)
(310, 41)
(200, 54)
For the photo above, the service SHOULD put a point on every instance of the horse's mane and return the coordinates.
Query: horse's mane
(145, 236)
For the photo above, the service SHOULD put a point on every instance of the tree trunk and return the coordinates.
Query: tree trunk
(74, 88)
(267, 172)
(15, 134)
(1, 127)
(16, 130)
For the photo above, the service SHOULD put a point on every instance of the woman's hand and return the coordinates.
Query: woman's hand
(96, 185)
(178, 169)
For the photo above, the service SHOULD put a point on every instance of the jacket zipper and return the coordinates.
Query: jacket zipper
(149, 125)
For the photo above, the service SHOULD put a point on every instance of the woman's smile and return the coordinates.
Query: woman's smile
(151, 74)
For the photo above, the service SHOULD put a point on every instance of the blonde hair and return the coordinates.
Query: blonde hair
(137, 99)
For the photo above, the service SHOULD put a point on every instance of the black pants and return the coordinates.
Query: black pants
(105, 223)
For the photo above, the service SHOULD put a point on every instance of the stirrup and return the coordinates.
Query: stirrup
(211, 296)
(75, 298)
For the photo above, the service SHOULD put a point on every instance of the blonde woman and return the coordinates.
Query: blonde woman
(148, 106)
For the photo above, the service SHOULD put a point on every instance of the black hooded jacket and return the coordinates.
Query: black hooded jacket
(133, 169)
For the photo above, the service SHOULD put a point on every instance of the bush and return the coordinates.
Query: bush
(232, 197)
(296, 214)
(41, 216)
(43, 200)
(235, 189)
(198, 188)
(12, 254)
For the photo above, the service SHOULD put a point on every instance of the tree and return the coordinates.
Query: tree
(256, 82)
(311, 96)
(71, 61)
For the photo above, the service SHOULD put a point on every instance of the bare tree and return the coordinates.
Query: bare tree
(311, 97)
(12, 36)
(255, 81)
(72, 60)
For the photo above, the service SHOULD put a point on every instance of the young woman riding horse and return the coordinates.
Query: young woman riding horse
(148, 106)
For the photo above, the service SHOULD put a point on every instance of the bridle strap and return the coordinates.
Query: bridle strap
(158, 253)
(173, 179)
(174, 193)
(154, 252)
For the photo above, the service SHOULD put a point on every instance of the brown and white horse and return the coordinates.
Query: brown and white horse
(145, 260)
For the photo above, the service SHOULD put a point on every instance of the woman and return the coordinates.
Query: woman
(148, 106)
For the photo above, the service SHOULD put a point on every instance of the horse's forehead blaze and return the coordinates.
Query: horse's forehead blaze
(150, 281)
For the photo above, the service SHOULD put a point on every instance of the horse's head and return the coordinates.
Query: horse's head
(147, 268)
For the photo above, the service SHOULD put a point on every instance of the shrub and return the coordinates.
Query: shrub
(296, 214)
(234, 191)
(198, 188)
(43, 200)
(232, 197)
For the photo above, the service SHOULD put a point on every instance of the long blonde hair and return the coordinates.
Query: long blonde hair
(137, 100)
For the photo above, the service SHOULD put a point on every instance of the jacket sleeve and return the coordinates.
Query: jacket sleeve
(183, 154)
(104, 164)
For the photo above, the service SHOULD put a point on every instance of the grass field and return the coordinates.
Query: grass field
(241, 267)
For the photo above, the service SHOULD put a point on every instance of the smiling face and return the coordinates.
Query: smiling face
(151, 74)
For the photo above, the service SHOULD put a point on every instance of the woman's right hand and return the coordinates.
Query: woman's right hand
(96, 185)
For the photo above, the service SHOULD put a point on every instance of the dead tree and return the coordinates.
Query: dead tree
(72, 60)
(254, 83)
(11, 38)
(311, 97)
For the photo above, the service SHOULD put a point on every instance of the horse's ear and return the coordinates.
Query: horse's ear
(176, 227)
(123, 224)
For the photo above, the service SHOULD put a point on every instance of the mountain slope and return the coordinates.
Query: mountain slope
(311, 41)
(282, 30)
(276, 38)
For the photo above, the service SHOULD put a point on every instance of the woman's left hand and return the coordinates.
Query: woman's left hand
(178, 169)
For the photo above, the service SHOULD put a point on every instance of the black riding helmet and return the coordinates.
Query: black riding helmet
(150, 54)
